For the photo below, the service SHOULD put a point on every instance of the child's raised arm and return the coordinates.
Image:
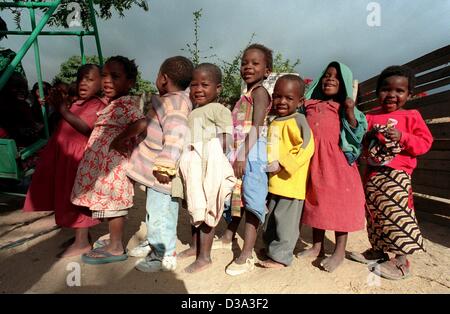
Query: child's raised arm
(419, 140)
(261, 103)
(57, 100)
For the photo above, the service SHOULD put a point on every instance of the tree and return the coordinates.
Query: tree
(231, 70)
(103, 9)
(69, 68)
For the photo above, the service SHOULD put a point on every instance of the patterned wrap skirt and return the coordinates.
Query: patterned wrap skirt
(391, 221)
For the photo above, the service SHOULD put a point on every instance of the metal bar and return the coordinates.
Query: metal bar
(37, 61)
(21, 4)
(10, 68)
(97, 38)
(52, 33)
(83, 57)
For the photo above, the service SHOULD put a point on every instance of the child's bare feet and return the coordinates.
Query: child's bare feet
(311, 252)
(332, 262)
(198, 265)
(270, 263)
(187, 253)
(75, 250)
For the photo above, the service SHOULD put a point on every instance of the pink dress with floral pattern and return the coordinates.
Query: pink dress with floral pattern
(101, 182)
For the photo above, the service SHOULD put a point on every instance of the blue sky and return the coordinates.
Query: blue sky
(315, 31)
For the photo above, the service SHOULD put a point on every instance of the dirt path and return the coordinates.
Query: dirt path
(32, 267)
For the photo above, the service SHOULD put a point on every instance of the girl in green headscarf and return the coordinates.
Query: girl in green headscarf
(334, 195)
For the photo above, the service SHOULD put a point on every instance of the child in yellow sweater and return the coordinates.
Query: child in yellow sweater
(290, 148)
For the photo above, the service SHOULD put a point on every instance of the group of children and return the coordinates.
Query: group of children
(278, 160)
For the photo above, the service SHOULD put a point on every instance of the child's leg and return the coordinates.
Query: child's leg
(282, 232)
(116, 226)
(317, 248)
(231, 230)
(192, 250)
(80, 245)
(250, 234)
(162, 219)
(206, 236)
(332, 262)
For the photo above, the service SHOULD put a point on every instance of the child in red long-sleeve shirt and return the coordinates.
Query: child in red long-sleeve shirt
(391, 221)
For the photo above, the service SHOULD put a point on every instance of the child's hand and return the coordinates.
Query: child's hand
(394, 134)
(57, 100)
(239, 168)
(162, 177)
(349, 103)
(120, 146)
(274, 167)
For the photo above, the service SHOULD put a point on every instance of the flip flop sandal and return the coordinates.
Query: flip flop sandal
(369, 256)
(393, 270)
(103, 258)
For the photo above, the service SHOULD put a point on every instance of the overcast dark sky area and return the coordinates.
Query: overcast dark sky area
(315, 31)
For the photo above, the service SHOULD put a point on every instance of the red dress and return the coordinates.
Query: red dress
(54, 177)
(334, 195)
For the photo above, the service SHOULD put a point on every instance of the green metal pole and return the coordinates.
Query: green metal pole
(10, 68)
(37, 61)
(97, 38)
(49, 33)
(83, 57)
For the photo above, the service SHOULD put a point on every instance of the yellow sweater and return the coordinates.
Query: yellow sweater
(291, 142)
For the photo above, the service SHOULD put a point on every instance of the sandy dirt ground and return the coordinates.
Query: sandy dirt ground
(32, 266)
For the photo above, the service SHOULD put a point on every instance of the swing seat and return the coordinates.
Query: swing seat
(11, 157)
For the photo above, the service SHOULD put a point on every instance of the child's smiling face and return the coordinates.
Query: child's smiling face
(254, 66)
(330, 82)
(115, 82)
(393, 93)
(286, 97)
(203, 89)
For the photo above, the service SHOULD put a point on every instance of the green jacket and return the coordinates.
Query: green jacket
(350, 138)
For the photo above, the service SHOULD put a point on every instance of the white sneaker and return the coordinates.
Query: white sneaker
(142, 250)
(154, 263)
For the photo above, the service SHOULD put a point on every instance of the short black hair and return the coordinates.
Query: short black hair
(85, 69)
(297, 79)
(211, 69)
(397, 70)
(266, 51)
(179, 69)
(129, 66)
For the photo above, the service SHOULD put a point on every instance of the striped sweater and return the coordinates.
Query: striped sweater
(161, 149)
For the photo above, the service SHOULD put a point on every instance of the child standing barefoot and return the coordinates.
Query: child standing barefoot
(290, 148)
(55, 173)
(250, 161)
(388, 187)
(334, 195)
(101, 182)
(207, 174)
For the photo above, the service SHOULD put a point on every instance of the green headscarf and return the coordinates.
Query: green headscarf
(350, 138)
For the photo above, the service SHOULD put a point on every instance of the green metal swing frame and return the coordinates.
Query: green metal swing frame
(10, 156)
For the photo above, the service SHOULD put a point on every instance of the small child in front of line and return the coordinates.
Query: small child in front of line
(334, 194)
(101, 182)
(154, 164)
(290, 148)
(250, 157)
(53, 180)
(388, 189)
(206, 172)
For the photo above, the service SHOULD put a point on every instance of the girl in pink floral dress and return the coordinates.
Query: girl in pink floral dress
(101, 182)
